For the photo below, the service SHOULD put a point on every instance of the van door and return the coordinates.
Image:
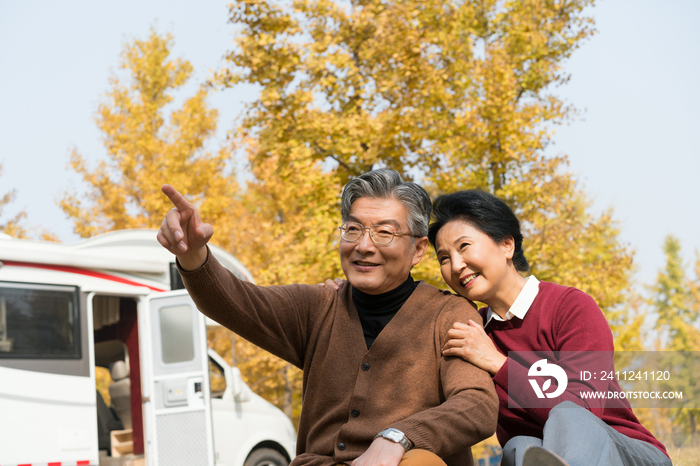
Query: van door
(177, 408)
(47, 384)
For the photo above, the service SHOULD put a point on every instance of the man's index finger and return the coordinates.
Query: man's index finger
(176, 198)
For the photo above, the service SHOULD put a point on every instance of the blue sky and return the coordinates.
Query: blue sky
(634, 146)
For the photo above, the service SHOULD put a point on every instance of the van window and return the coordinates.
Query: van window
(39, 322)
(177, 341)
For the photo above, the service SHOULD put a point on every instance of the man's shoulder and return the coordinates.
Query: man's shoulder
(434, 292)
(445, 301)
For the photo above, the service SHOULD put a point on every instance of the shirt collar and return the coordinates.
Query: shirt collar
(522, 303)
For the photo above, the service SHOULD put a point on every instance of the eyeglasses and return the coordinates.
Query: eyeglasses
(381, 235)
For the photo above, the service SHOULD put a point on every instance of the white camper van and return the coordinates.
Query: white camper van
(115, 301)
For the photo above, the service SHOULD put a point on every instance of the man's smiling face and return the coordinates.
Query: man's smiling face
(376, 269)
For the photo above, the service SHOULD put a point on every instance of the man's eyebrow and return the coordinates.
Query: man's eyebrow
(389, 221)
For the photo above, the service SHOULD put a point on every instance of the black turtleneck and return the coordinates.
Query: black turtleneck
(377, 310)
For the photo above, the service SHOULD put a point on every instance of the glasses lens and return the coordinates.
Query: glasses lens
(382, 234)
(351, 231)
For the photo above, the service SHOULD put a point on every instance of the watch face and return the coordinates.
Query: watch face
(394, 435)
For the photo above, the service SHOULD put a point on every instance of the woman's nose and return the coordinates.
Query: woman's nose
(458, 264)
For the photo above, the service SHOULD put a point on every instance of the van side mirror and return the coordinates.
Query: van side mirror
(239, 388)
(234, 381)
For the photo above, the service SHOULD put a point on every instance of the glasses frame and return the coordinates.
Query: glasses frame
(371, 235)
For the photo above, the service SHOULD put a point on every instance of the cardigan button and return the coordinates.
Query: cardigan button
(355, 412)
(365, 366)
(341, 446)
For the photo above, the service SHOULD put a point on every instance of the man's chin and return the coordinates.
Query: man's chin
(364, 284)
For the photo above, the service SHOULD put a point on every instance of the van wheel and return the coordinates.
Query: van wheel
(266, 457)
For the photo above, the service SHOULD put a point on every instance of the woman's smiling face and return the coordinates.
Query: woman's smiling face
(471, 263)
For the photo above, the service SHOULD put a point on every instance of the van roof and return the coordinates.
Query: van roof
(129, 251)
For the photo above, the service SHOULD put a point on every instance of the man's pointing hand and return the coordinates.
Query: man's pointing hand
(183, 233)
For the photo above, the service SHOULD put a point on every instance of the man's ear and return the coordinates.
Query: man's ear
(420, 246)
(508, 246)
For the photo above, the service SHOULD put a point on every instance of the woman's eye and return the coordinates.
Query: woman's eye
(463, 245)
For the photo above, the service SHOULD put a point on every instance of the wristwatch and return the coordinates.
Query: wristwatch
(395, 435)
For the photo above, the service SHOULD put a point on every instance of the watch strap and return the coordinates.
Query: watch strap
(403, 440)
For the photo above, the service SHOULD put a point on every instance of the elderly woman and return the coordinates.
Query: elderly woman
(479, 246)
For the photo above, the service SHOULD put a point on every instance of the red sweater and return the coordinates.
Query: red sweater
(560, 320)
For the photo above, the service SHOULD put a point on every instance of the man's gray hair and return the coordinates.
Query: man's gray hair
(388, 184)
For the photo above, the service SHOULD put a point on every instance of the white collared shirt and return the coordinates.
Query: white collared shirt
(522, 303)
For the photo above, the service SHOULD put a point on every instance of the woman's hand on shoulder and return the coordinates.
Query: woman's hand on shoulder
(334, 284)
(470, 342)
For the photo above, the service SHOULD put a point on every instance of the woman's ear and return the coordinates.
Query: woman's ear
(508, 246)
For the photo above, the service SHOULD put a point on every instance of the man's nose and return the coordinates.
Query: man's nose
(366, 243)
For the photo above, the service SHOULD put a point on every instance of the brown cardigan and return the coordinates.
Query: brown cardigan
(443, 405)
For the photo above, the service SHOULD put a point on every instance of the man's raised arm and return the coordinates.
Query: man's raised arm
(274, 318)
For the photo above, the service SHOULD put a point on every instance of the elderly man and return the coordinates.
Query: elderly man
(377, 390)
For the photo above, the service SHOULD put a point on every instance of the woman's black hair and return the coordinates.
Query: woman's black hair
(483, 211)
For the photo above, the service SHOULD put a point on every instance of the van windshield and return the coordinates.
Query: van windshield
(39, 322)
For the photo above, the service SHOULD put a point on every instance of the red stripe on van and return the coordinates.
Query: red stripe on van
(55, 464)
(89, 273)
(83, 463)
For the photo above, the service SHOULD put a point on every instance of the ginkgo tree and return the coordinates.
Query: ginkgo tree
(149, 142)
(451, 93)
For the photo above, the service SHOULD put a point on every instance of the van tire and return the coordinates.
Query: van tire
(266, 457)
